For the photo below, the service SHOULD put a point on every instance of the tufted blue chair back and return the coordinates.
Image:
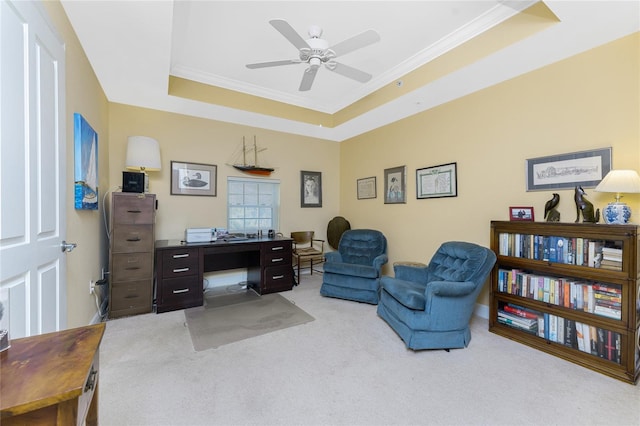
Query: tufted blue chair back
(458, 261)
(361, 246)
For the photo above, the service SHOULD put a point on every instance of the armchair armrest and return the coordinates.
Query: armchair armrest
(411, 273)
(333, 256)
(448, 288)
(380, 260)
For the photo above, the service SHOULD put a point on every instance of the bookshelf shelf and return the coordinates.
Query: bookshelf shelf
(571, 290)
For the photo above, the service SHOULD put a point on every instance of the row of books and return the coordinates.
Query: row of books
(573, 251)
(576, 335)
(593, 297)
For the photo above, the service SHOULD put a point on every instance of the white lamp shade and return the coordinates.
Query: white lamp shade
(620, 181)
(143, 153)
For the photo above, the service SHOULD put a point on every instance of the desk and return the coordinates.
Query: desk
(51, 379)
(180, 268)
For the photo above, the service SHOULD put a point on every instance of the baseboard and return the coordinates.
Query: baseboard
(482, 311)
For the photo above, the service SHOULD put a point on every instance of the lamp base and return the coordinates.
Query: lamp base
(616, 213)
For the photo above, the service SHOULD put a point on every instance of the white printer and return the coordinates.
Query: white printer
(199, 235)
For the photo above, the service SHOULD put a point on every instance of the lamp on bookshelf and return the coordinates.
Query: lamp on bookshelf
(618, 182)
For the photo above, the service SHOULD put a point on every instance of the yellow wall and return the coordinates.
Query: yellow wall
(585, 102)
(86, 228)
(197, 140)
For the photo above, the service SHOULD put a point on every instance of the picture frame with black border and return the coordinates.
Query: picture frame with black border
(437, 181)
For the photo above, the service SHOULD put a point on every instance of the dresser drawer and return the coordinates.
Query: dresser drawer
(131, 266)
(133, 209)
(180, 291)
(132, 238)
(179, 263)
(131, 296)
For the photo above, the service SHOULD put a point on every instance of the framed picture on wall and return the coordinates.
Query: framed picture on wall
(395, 185)
(310, 189)
(366, 188)
(437, 181)
(193, 179)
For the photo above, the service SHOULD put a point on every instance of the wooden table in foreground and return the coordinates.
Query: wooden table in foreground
(51, 378)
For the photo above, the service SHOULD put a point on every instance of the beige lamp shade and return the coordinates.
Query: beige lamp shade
(618, 182)
(143, 153)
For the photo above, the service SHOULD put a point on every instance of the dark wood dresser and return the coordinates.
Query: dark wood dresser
(180, 268)
(131, 254)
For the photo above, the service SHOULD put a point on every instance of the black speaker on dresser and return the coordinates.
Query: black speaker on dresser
(132, 182)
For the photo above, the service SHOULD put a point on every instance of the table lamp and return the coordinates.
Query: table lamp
(143, 153)
(618, 181)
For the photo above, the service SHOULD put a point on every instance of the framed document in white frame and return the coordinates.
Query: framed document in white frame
(437, 181)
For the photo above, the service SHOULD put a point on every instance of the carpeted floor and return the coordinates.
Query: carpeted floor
(228, 317)
(348, 367)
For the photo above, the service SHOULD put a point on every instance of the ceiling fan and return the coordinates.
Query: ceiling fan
(316, 51)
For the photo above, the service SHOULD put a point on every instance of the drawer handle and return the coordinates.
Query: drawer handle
(132, 268)
(91, 380)
(181, 270)
(133, 239)
(280, 259)
(277, 248)
(277, 277)
(134, 211)
(180, 256)
(184, 290)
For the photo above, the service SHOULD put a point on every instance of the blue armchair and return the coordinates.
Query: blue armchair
(430, 307)
(353, 271)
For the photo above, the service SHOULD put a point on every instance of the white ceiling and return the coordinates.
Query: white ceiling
(134, 46)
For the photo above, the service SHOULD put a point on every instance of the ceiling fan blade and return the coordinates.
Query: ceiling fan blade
(273, 63)
(350, 72)
(289, 33)
(356, 42)
(307, 78)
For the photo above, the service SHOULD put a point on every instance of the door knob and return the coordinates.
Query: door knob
(67, 247)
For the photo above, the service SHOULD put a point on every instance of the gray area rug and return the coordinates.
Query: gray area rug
(229, 318)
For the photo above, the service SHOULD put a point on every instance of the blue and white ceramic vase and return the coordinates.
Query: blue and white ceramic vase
(616, 213)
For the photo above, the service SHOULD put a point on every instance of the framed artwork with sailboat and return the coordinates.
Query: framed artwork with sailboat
(85, 164)
(193, 179)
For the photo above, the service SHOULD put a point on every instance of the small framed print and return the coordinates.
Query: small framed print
(521, 213)
(395, 186)
(367, 188)
(310, 189)
(193, 179)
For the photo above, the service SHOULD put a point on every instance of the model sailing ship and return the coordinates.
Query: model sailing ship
(254, 168)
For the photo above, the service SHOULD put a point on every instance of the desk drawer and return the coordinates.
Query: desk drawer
(278, 278)
(131, 266)
(132, 238)
(178, 263)
(180, 290)
(131, 295)
(277, 248)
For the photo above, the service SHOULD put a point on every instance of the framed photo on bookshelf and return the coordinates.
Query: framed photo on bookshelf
(521, 213)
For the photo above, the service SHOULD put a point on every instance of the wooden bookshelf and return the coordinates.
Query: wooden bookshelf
(570, 289)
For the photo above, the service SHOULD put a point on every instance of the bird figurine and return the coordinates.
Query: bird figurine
(550, 212)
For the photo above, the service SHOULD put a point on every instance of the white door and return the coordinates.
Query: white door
(32, 170)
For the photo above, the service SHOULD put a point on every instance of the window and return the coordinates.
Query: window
(253, 204)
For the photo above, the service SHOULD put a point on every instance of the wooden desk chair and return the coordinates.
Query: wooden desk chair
(307, 249)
